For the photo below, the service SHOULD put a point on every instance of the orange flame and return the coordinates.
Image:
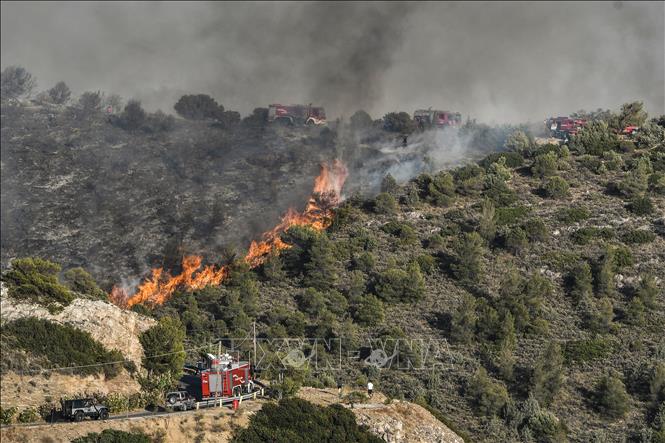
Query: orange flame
(159, 287)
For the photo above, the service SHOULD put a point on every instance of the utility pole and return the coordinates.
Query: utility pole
(254, 326)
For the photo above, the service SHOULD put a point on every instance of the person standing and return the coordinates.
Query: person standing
(339, 388)
(370, 389)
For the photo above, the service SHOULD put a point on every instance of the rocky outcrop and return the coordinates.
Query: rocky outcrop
(112, 326)
(394, 422)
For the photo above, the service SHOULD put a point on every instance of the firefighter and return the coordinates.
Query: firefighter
(339, 388)
(370, 389)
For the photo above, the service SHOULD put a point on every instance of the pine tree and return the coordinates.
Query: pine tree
(469, 266)
(611, 397)
(322, 270)
(463, 323)
(548, 374)
(487, 225)
(581, 282)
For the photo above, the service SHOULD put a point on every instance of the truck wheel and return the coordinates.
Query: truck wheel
(104, 415)
(78, 416)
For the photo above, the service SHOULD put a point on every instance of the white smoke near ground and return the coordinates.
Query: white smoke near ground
(428, 151)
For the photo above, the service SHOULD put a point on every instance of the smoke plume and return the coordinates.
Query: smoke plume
(502, 62)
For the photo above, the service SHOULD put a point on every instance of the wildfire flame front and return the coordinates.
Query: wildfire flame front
(318, 213)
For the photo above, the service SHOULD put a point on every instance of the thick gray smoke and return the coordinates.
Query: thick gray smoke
(501, 62)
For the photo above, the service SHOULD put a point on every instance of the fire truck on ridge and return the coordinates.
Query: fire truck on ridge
(564, 127)
(428, 118)
(297, 115)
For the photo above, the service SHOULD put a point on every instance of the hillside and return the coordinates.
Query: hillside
(519, 298)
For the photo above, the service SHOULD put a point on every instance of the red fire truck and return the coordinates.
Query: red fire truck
(564, 127)
(428, 118)
(292, 115)
(218, 376)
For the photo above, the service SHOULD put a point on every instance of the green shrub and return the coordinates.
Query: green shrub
(610, 397)
(580, 351)
(657, 183)
(592, 163)
(612, 160)
(403, 230)
(385, 203)
(516, 240)
(426, 263)
(641, 205)
(511, 215)
(36, 280)
(284, 421)
(536, 230)
(63, 346)
(7, 415)
(436, 241)
(441, 189)
(555, 187)
(636, 182)
(79, 280)
(512, 159)
(29, 415)
(598, 315)
(584, 236)
(647, 291)
(163, 347)
(622, 257)
(545, 165)
(572, 215)
(638, 236)
(369, 311)
(518, 141)
(113, 436)
(401, 285)
(488, 396)
(582, 281)
(595, 138)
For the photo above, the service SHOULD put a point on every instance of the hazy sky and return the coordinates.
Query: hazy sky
(494, 61)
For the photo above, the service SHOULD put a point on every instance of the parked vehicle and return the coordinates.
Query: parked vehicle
(180, 401)
(77, 410)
